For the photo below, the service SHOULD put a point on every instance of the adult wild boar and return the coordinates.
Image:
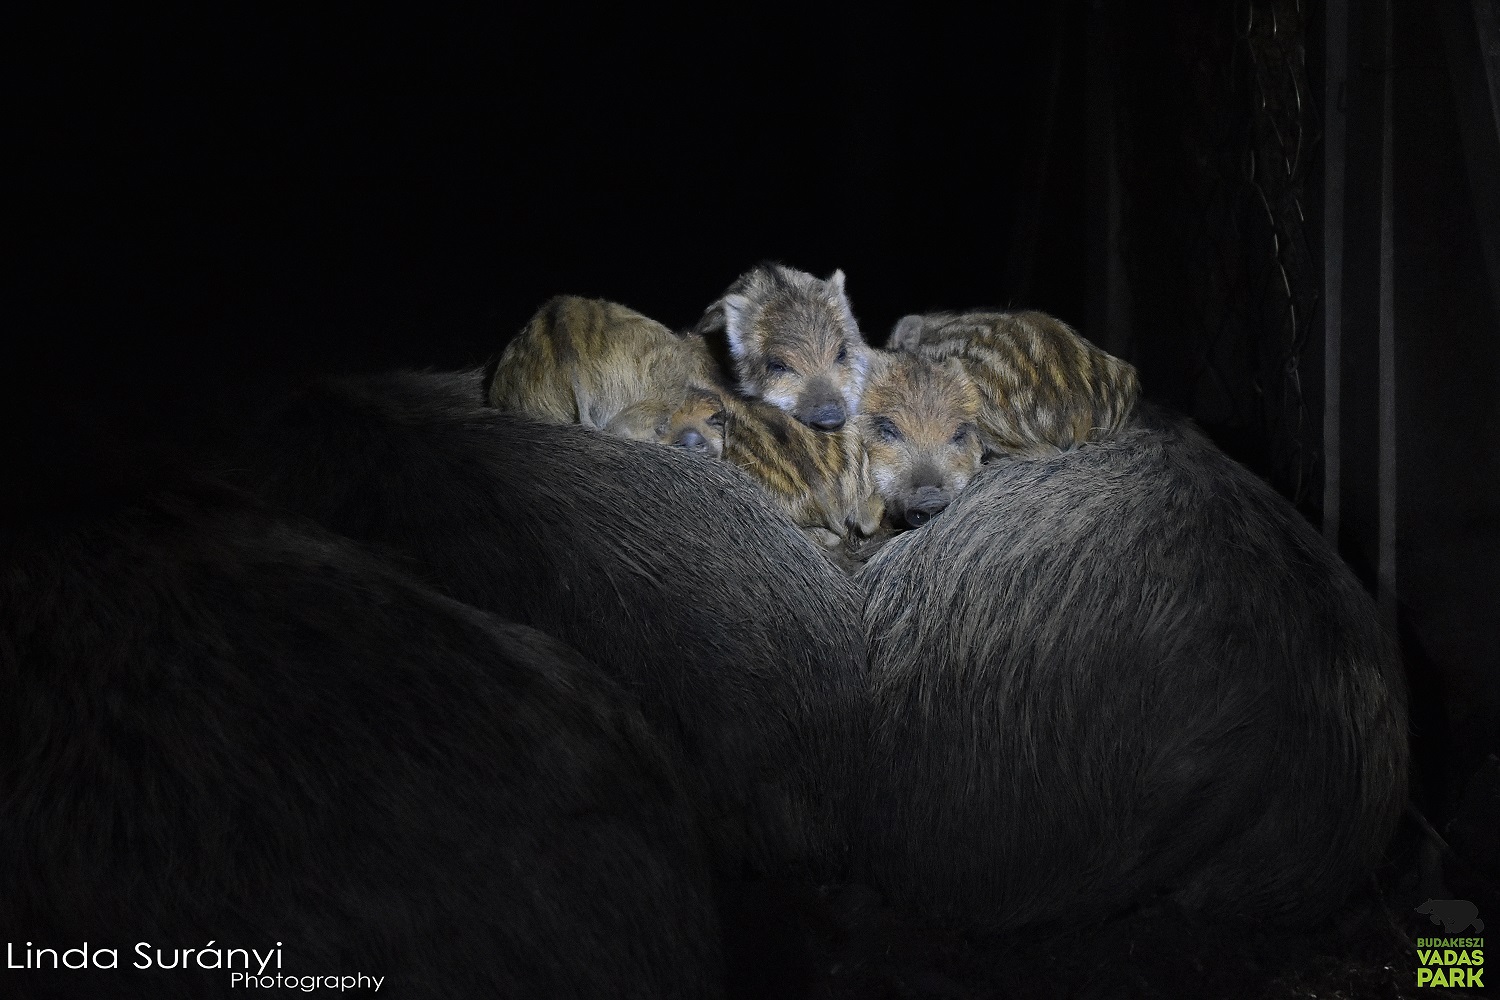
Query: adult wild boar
(1122, 670)
(677, 576)
(224, 734)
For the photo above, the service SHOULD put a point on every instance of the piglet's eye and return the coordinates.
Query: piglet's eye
(886, 429)
(843, 354)
(777, 367)
(717, 420)
(961, 436)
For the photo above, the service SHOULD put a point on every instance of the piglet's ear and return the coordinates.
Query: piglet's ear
(906, 334)
(712, 320)
(839, 299)
(836, 290)
(737, 323)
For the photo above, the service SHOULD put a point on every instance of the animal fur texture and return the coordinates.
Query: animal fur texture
(1044, 387)
(677, 576)
(1122, 671)
(793, 342)
(603, 365)
(821, 479)
(223, 730)
(695, 425)
(919, 425)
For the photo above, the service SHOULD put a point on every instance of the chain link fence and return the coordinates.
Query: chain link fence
(1228, 288)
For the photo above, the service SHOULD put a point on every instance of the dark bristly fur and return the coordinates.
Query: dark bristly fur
(1122, 670)
(219, 730)
(1045, 388)
(674, 574)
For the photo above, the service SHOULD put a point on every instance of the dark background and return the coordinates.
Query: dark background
(213, 202)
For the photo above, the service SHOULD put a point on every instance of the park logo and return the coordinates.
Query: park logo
(1451, 960)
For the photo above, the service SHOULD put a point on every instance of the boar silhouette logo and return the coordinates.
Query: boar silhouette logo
(1454, 914)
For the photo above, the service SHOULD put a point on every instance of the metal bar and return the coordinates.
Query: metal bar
(1487, 24)
(1108, 309)
(1386, 563)
(1098, 113)
(1336, 116)
(1475, 73)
